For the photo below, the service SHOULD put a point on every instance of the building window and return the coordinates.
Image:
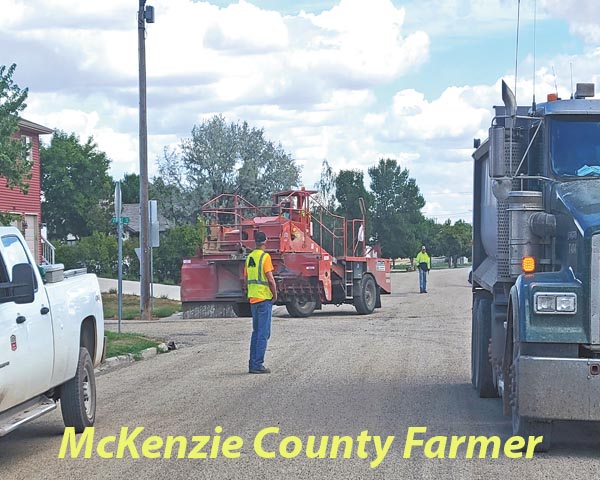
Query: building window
(27, 142)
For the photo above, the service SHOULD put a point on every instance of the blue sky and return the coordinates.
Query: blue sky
(349, 81)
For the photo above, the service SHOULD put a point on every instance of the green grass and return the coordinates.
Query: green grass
(124, 343)
(163, 307)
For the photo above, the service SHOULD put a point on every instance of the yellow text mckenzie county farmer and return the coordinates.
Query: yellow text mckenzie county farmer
(271, 443)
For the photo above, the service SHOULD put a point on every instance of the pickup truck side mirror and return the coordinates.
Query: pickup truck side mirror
(21, 289)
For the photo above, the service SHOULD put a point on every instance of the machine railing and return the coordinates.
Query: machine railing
(224, 216)
(228, 229)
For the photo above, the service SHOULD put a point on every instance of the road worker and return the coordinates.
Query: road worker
(262, 293)
(423, 265)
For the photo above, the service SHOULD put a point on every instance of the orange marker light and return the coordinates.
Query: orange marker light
(528, 264)
(552, 97)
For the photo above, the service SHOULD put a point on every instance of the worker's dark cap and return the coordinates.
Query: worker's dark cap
(260, 238)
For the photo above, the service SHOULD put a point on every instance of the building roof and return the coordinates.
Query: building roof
(132, 210)
(34, 127)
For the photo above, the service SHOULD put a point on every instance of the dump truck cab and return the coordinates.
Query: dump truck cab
(536, 262)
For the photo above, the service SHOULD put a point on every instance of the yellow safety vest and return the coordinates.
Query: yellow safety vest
(423, 258)
(258, 285)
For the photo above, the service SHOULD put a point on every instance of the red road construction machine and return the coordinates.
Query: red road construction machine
(319, 258)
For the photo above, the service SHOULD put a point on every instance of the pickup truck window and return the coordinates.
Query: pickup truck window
(14, 253)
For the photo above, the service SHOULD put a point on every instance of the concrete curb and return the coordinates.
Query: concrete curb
(123, 360)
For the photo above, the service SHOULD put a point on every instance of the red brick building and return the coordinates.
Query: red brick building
(28, 206)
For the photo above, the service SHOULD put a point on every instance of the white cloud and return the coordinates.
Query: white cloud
(363, 41)
(457, 112)
(13, 12)
(331, 85)
(583, 17)
(244, 28)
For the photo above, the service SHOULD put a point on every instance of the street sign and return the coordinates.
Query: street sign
(154, 225)
(118, 202)
(124, 220)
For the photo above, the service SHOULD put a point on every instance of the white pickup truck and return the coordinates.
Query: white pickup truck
(51, 338)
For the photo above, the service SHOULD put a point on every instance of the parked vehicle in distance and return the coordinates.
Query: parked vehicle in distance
(51, 338)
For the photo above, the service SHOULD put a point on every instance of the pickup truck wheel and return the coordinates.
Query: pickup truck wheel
(483, 376)
(298, 308)
(78, 395)
(524, 427)
(366, 296)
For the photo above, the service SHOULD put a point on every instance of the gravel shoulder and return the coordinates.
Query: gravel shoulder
(336, 373)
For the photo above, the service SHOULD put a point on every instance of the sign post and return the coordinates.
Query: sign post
(154, 242)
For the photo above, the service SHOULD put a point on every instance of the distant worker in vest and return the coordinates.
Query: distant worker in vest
(423, 265)
(262, 293)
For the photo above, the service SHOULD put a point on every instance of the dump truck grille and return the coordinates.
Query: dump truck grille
(502, 206)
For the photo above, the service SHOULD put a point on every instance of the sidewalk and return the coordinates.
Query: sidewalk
(133, 288)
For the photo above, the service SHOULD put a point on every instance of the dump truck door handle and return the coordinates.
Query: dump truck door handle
(21, 319)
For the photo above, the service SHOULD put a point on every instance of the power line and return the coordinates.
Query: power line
(449, 193)
(450, 214)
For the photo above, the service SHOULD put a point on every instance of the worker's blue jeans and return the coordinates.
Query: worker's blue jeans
(261, 331)
(423, 280)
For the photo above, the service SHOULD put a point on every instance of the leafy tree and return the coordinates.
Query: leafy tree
(427, 234)
(177, 243)
(177, 200)
(15, 166)
(349, 188)
(326, 186)
(219, 158)
(76, 187)
(397, 205)
(97, 253)
(130, 188)
(455, 240)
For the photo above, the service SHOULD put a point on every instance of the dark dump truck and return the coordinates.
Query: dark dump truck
(536, 262)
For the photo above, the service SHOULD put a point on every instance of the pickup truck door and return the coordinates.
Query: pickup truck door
(26, 331)
(11, 357)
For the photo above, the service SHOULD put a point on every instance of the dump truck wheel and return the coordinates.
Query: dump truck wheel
(366, 297)
(476, 300)
(484, 378)
(298, 308)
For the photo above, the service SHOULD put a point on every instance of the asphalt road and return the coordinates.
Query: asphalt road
(335, 373)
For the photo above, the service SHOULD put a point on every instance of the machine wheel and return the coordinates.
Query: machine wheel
(78, 395)
(366, 297)
(482, 374)
(243, 310)
(525, 427)
(298, 308)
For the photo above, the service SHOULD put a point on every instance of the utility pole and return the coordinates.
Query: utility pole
(118, 212)
(145, 14)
